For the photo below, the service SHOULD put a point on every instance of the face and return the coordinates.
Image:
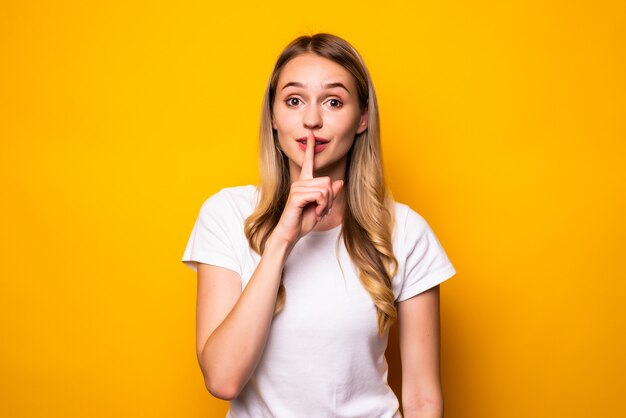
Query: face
(318, 94)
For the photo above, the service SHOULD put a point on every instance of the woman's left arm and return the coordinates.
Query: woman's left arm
(418, 326)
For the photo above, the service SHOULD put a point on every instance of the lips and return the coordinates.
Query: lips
(318, 140)
(320, 144)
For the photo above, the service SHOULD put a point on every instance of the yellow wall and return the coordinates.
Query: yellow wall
(503, 125)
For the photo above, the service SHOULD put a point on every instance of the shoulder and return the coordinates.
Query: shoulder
(423, 262)
(408, 221)
(229, 206)
(239, 198)
(236, 193)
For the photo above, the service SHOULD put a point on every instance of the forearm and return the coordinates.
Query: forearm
(426, 408)
(232, 351)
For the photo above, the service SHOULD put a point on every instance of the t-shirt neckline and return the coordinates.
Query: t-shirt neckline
(331, 231)
(327, 231)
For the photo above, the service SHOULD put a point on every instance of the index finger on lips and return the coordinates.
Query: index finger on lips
(309, 155)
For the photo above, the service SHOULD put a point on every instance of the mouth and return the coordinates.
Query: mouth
(318, 140)
(320, 144)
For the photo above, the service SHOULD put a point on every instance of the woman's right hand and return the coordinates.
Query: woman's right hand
(309, 199)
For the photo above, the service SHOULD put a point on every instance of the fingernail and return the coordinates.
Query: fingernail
(329, 209)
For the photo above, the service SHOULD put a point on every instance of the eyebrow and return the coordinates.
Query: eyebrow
(327, 85)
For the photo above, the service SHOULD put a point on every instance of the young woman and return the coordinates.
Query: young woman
(300, 278)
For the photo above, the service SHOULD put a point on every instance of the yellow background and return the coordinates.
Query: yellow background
(503, 124)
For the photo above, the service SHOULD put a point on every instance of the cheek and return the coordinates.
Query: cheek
(284, 121)
(344, 125)
(284, 129)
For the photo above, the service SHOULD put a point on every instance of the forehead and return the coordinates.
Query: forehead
(313, 70)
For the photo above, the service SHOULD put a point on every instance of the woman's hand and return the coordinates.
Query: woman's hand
(309, 199)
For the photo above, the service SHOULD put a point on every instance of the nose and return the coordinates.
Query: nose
(312, 118)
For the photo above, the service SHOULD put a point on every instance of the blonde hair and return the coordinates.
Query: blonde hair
(368, 220)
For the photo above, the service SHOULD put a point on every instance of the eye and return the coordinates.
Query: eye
(338, 102)
(290, 102)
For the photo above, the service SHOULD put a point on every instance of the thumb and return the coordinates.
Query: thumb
(337, 185)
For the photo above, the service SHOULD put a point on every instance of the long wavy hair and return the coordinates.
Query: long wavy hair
(368, 220)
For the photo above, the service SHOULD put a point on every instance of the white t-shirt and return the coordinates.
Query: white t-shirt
(323, 357)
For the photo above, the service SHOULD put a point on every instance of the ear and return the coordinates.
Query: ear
(273, 123)
(363, 121)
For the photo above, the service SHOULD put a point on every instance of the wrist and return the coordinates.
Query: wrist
(278, 245)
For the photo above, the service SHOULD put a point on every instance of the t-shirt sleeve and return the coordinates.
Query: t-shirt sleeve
(211, 240)
(426, 264)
